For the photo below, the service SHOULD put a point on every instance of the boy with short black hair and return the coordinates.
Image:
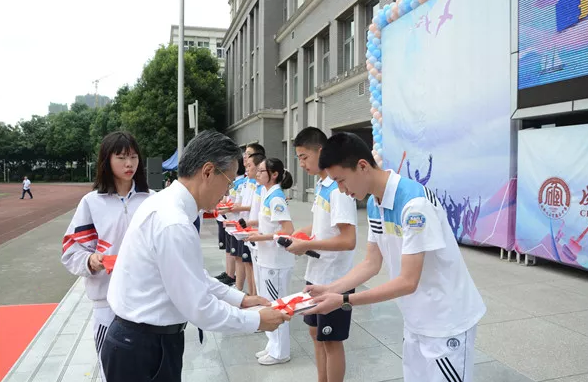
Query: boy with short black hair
(409, 231)
(334, 227)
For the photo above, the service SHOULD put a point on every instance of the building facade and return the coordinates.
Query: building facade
(202, 37)
(293, 64)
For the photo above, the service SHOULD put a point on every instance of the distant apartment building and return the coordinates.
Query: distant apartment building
(56, 108)
(92, 100)
(202, 37)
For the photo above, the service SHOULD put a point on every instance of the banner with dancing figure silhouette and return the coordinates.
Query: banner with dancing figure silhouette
(552, 194)
(445, 120)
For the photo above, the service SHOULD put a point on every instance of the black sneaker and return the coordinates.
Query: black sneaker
(228, 281)
(221, 276)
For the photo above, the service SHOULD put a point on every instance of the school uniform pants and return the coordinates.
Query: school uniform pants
(274, 284)
(102, 318)
(435, 359)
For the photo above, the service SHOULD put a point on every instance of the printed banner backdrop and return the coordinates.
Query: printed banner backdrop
(552, 194)
(446, 112)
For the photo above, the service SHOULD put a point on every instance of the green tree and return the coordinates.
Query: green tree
(149, 109)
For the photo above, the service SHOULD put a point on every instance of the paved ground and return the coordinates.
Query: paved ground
(50, 200)
(30, 270)
(536, 328)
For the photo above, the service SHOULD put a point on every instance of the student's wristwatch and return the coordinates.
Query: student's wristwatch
(346, 306)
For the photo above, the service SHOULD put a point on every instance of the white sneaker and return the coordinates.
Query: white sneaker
(260, 354)
(268, 360)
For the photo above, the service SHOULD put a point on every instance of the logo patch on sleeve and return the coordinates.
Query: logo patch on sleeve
(279, 208)
(416, 221)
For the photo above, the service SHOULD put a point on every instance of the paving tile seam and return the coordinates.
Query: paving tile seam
(565, 376)
(221, 357)
(75, 346)
(544, 318)
(55, 339)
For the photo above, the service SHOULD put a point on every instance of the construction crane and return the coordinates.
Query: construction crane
(95, 82)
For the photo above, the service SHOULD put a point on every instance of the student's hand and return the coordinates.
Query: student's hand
(326, 303)
(298, 247)
(316, 290)
(270, 319)
(252, 237)
(95, 262)
(249, 301)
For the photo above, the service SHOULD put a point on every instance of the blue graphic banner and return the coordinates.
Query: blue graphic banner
(445, 118)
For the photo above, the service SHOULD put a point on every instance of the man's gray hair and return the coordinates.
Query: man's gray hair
(208, 146)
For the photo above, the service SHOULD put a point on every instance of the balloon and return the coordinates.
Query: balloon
(373, 110)
(380, 151)
(378, 87)
(378, 34)
(379, 77)
(414, 4)
(422, 1)
(373, 27)
(377, 115)
(378, 66)
(378, 138)
(377, 147)
(375, 105)
(386, 7)
(376, 41)
(370, 67)
(380, 109)
(373, 59)
(379, 119)
(374, 71)
(374, 82)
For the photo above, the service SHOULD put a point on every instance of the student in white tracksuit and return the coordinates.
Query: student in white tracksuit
(101, 220)
(275, 264)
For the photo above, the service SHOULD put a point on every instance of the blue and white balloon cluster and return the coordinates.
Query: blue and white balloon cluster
(385, 16)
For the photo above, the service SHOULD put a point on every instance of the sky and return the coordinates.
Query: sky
(52, 50)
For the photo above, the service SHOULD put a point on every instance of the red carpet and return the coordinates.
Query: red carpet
(18, 326)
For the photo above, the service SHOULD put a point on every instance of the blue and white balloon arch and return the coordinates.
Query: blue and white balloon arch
(390, 13)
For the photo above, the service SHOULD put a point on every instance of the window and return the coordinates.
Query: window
(285, 89)
(348, 44)
(310, 66)
(326, 50)
(294, 81)
(203, 44)
(371, 9)
(251, 93)
(220, 53)
(299, 3)
(285, 11)
(252, 32)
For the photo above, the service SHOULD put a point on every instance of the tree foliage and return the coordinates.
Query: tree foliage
(44, 146)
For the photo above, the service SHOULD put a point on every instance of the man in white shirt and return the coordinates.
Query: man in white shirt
(26, 188)
(159, 281)
(334, 225)
(409, 231)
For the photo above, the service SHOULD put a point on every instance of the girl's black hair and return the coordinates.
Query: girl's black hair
(284, 177)
(115, 143)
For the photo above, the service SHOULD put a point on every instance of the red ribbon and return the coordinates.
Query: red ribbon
(290, 306)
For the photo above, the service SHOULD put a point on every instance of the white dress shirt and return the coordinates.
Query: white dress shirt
(159, 276)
